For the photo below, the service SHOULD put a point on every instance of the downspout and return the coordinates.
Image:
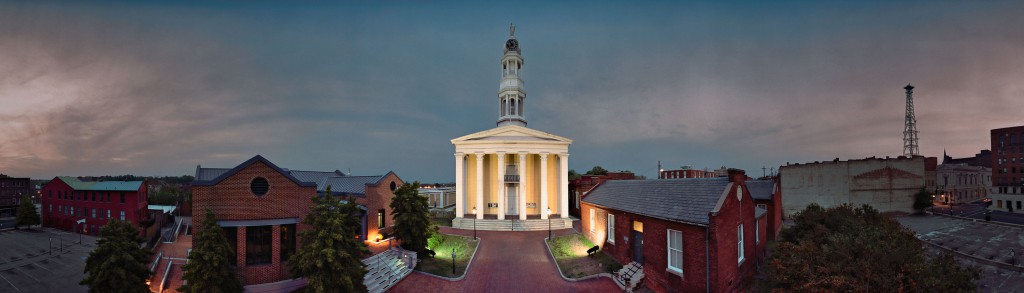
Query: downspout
(707, 259)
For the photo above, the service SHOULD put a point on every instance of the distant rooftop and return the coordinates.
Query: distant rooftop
(101, 185)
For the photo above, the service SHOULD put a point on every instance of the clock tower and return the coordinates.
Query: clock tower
(510, 92)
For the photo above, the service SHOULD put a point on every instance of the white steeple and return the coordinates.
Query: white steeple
(510, 92)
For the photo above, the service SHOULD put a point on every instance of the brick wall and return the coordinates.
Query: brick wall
(232, 199)
(379, 197)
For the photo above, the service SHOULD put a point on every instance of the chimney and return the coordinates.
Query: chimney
(737, 175)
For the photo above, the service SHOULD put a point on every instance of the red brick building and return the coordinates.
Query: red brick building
(767, 195)
(11, 191)
(68, 201)
(261, 206)
(579, 188)
(1008, 169)
(690, 235)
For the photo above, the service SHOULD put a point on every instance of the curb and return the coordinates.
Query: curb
(552, 256)
(977, 220)
(464, 273)
(977, 259)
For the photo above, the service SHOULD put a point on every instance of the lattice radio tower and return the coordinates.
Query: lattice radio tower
(910, 126)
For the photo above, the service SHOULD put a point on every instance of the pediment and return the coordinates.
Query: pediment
(512, 133)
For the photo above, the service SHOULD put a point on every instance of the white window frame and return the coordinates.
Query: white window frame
(611, 228)
(122, 215)
(669, 249)
(762, 206)
(739, 244)
(757, 232)
(592, 224)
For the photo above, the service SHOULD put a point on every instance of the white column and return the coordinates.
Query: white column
(522, 186)
(543, 185)
(479, 185)
(460, 186)
(563, 183)
(502, 201)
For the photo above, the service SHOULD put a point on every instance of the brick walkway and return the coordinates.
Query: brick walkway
(507, 262)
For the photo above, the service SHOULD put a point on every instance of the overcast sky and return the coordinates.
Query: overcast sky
(158, 88)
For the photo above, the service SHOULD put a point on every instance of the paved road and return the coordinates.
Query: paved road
(507, 262)
(977, 211)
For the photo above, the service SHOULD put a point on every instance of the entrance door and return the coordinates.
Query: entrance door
(638, 247)
(510, 194)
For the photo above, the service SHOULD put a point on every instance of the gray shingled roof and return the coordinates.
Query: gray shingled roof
(207, 174)
(347, 184)
(761, 189)
(314, 176)
(683, 200)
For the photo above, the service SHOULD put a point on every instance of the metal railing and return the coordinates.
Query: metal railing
(512, 178)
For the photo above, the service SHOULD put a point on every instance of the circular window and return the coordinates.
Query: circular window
(393, 186)
(259, 186)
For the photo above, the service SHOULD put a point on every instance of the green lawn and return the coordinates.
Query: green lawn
(441, 263)
(570, 252)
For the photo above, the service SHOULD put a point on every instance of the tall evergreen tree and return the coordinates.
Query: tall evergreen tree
(26, 214)
(412, 218)
(331, 254)
(209, 267)
(117, 264)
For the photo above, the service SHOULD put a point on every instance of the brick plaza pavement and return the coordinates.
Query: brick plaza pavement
(507, 262)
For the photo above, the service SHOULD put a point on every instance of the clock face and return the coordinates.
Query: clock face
(512, 45)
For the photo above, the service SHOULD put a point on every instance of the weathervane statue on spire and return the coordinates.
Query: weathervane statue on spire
(511, 29)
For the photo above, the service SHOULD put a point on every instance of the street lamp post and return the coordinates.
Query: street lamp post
(453, 261)
(474, 223)
(549, 223)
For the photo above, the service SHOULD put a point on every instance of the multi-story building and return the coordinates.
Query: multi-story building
(71, 204)
(686, 172)
(261, 207)
(1008, 169)
(887, 184)
(11, 191)
(437, 198)
(962, 183)
(686, 235)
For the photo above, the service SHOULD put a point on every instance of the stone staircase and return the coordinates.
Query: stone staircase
(629, 276)
(387, 268)
(511, 225)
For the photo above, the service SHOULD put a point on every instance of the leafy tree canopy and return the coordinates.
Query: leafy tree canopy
(412, 218)
(922, 200)
(26, 214)
(847, 249)
(331, 254)
(209, 268)
(117, 264)
(597, 170)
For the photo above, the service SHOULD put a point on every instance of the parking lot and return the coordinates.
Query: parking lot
(43, 260)
(984, 245)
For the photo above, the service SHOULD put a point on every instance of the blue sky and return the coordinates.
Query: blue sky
(156, 88)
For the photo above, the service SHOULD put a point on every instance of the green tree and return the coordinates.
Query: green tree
(412, 218)
(597, 170)
(847, 249)
(117, 264)
(26, 214)
(330, 256)
(922, 200)
(209, 268)
(573, 175)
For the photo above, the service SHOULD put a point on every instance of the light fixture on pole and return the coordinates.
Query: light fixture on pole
(474, 223)
(549, 222)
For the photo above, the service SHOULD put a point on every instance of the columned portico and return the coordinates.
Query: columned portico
(506, 172)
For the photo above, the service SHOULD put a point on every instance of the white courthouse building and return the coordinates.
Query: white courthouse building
(511, 177)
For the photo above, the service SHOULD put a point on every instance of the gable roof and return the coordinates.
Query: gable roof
(207, 174)
(511, 133)
(314, 176)
(236, 169)
(354, 185)
(761, 189)
(76, 184)
(687, 200)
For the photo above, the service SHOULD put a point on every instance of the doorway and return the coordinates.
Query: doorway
(638, 242)
(510, 195)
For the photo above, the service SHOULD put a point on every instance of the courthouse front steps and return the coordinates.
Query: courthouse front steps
(511, 225)
(387, 268)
